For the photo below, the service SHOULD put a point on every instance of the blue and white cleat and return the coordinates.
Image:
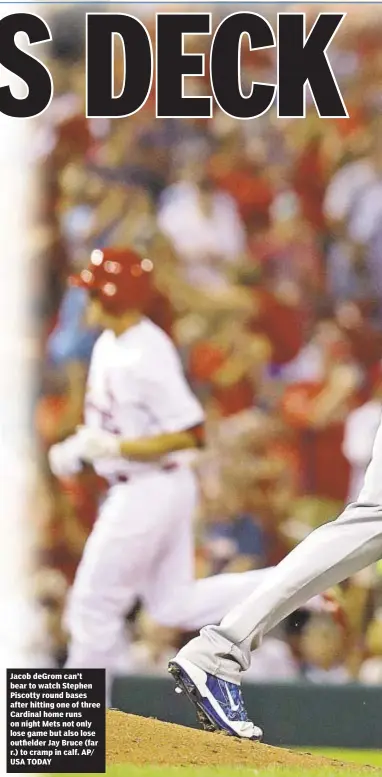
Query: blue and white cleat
(219, 704)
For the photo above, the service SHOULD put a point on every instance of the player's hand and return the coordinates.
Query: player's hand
(94, 444)
(64, 458)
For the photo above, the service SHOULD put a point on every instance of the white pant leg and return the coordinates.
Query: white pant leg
(117, 561)
(173, 597)
(329, 555)
(192, 605)
(209, 599)
(174, 567)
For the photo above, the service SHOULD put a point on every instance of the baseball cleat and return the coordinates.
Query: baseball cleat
(219, 704)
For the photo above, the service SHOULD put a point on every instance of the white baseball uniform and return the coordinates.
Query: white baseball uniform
(142, 545)
(327, 556)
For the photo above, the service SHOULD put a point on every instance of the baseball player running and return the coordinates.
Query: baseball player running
(209, 668)
(142, 424)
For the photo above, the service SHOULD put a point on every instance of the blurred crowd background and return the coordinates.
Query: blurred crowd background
(266, 237)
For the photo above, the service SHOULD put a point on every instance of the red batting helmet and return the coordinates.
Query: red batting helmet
(120, 278)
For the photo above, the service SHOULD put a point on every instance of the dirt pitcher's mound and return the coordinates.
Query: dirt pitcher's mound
(141, 741)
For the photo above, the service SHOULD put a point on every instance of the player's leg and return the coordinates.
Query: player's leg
(327, 556)
(193, 603)
(112, 572)
(209, 667)
(173, 597)
(173, 569)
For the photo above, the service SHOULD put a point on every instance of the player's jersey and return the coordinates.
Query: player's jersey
(136, 388)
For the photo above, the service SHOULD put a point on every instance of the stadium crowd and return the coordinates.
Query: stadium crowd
(266, 238)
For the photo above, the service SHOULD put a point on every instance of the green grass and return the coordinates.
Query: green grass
(363, 757)
(180, 771)
(194, 771)
(370, 757)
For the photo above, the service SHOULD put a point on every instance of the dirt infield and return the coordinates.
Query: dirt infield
(141, 741)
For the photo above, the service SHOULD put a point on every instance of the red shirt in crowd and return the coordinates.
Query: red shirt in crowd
(281, 323)
(205, 360)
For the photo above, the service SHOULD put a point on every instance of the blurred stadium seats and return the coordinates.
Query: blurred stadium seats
(267, 243)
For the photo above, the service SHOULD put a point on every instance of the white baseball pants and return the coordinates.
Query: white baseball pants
(142, 545)
(329, 555)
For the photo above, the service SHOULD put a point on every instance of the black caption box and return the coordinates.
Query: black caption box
(56, 720)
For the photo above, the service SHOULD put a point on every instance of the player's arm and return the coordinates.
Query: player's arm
(90, 444)
(146, 449)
